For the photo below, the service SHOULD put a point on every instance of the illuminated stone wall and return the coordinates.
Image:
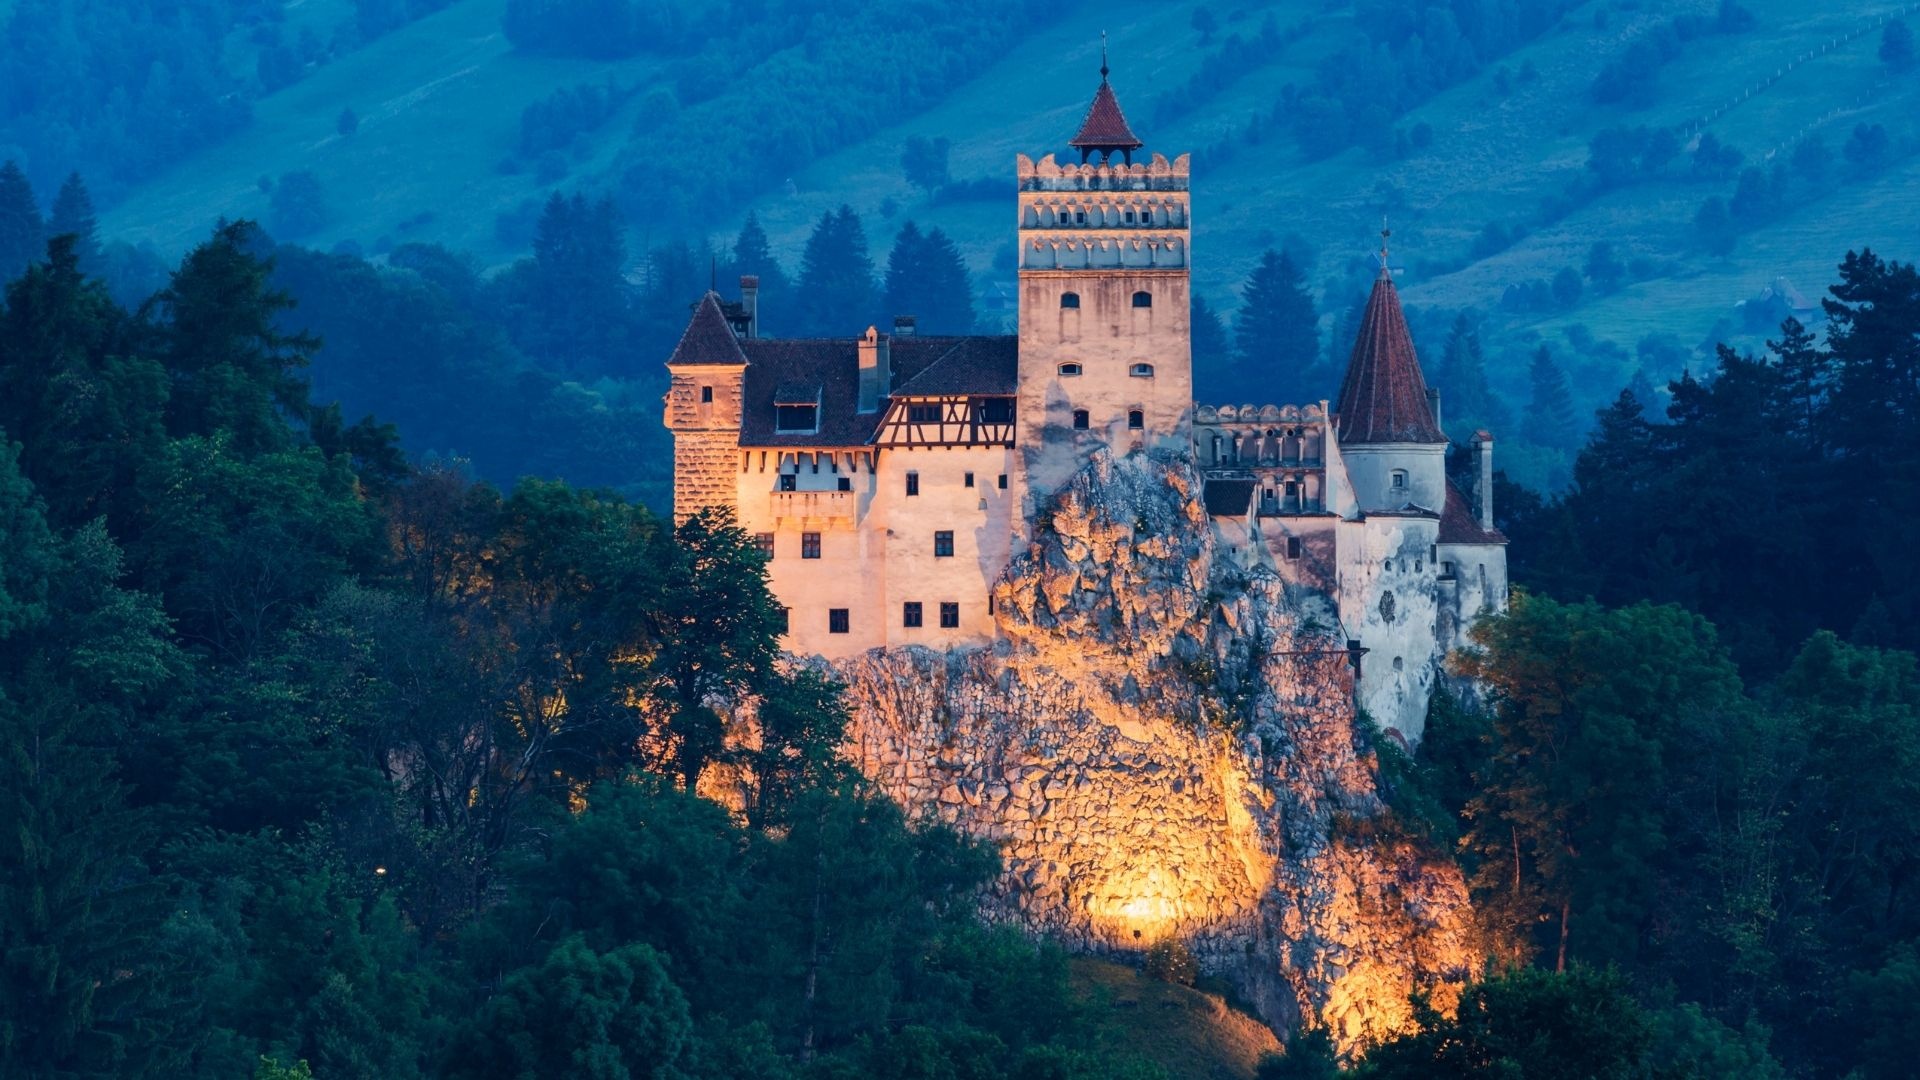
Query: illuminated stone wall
(1164, 744)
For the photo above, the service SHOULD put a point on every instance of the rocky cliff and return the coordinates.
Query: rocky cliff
(1165, 745)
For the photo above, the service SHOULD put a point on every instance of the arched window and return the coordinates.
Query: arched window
(1129, 217)
(1142, 371)
(1079, 419)
(1136, 419)
(1069, 370)
(1069, 299)
(1143, 299)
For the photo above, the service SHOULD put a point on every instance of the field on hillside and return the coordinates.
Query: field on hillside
(439, 103)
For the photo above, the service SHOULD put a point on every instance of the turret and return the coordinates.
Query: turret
(704, 389)
(1388, 428)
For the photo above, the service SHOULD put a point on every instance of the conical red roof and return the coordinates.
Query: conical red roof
(1105, 128)
(708, 338)
(1384, 396)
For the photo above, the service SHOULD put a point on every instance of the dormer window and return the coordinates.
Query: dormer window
(1143, 299)
(1070, 300)
(1068, 371)
(1142, 371)
(798, 419)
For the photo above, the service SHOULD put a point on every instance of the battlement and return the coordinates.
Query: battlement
(1259, 414)
(1049, 175)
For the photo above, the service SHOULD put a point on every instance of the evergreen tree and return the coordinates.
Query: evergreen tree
(752, 254)
(573, 297)
(21, 229)
(1896, 45)
(1212, 353)
(1804, 375)
(927, 278)
(1551, 418)
(73, 215)
(1277, 334)
(1465, 394)
(836, 294)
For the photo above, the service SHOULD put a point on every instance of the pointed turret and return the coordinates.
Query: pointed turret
(1384, 397)
(1105, 128)
(709, 337)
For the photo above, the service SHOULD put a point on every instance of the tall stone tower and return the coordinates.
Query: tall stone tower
(704, 392)
(1105, 351)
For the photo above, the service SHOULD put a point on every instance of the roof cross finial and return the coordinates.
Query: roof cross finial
(1103, 54)
(1385, 235)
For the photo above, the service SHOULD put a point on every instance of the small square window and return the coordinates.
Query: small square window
(837, 622)
(809, 545)
(764, 541)
(1136, 419)
(913, 483)
(923, 414)
(1080, 420)
(943, 545)
(910, 614)
(949, 615)
(789, 482)
(1003, 481)
(969, 482)
(786, 619)
(706, 394)
(846, 483)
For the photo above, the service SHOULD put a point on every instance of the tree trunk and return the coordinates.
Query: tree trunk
(813, 961)
(1560, 963)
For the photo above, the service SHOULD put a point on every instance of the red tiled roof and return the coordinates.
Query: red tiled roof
(708, 338)
(1105, 128)
(930, 365)
(1458, 525)
(1384, 397)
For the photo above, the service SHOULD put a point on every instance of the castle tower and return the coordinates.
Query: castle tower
(704, 390)
(1388, 434)
(1105, 353)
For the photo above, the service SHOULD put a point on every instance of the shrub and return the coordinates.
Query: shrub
(1169, 960)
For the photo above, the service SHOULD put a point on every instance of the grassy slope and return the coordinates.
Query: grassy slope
(1195, 1035)
(440, 100)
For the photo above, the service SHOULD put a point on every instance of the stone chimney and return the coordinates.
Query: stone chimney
(903, 326)
(1433, 406)
(1483, 477)
(876, 369)
(750, 303)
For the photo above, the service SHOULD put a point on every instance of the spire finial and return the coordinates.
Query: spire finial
(1103, 55)
(713, 272)
(1385, 235)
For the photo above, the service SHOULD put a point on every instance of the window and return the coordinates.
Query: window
(1143, 299)
(910, 614)
(1293, 547)
(846, 483)
(1398, 664)
(837, 620)
(969, 479)
(1141, 371)
(1003, 481)
(1067, 371)
(1433, 553)
(1136, 419)
(996, 411)
(789, 482)
(1399, 479)
(809, 545)
(1129, 217)
(802, 418)
(1293, 490)
(913, 483)
(923, 414)
(1069, 299)
(786, 619)
(706, 394)
(764, 541)
(949, 615)
(1080, 419)
(1079, 217)
(943, 545)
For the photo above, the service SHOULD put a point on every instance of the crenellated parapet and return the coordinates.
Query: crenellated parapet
(1258, 414)
(1158, 174)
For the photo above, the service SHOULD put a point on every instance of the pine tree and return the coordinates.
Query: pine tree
(752, 254)
(927, 278)
(578, 291)
(836, 278)
(1804, 372)
(1463, 378)
(1277, 333)
(1551, 416)
(73, 216)
(1212, 353)
(21, 230)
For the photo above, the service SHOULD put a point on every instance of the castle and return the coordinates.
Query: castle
(890, 477)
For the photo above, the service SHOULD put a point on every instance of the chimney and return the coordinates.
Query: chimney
(1483, 477)
(750, 303)
(1433, 406)
(903, 326)
(876, 369)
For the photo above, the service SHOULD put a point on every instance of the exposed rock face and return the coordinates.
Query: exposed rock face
(1165, 745)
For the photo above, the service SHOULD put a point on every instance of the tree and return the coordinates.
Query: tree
(1896, 45)
(1604, 268)
(571, 300)
(1551, 419)
(1804, 377)
(1310, 1055)
(1566, 287)
(752, 254)
(924, 161)
(836, 277)
(1212, 352)
(20, 225)
(927, 278)
(1276, 333)
(1811, 157)
(1204, 23)
(1715, 226)
(298, 207)
(802, 723)
(1463, 378)
(1868, 149)
(347, 122)
(1713, 159)
(73, 216)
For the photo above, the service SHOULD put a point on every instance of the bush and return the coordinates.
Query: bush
(1169, 960)
(297, 206)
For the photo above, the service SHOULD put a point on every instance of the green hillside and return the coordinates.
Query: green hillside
(1194, 1035)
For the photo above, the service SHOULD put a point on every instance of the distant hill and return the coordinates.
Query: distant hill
(1485, 183)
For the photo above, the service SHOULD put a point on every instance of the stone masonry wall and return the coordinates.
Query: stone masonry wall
(1164, 745)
